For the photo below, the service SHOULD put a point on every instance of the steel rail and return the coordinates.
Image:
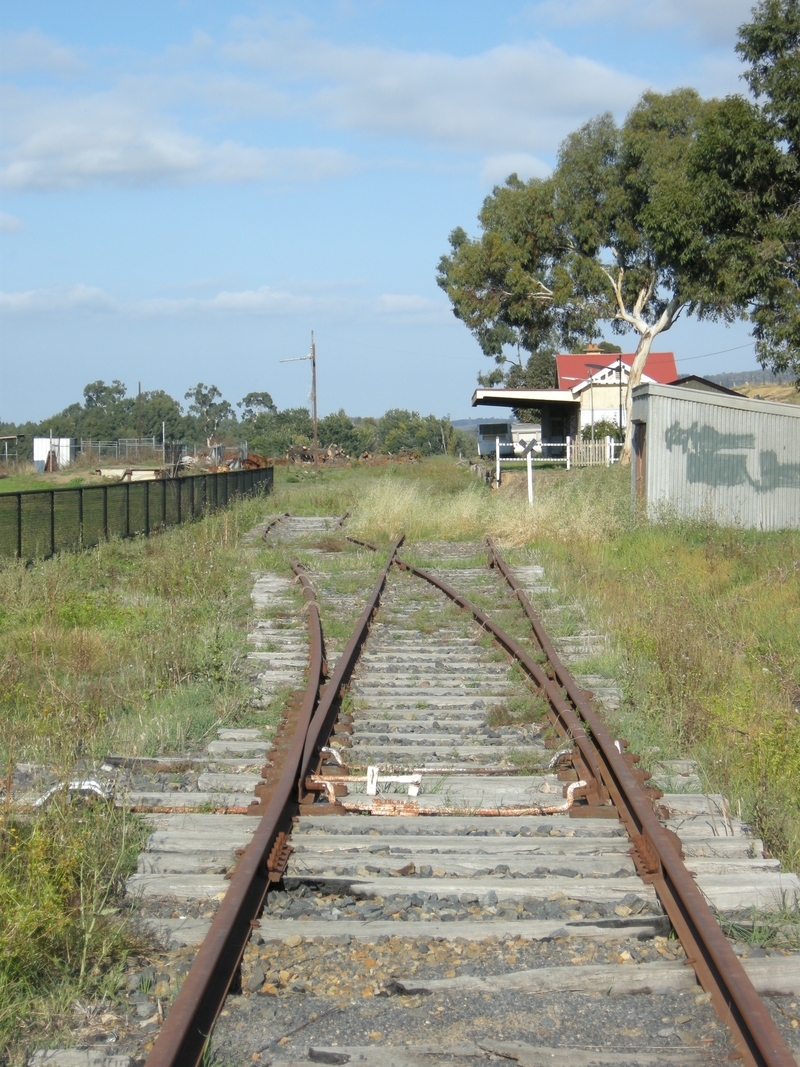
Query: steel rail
(274, 522)
(190, 1021)
(718, 969)
(325, 715)
(561, 706)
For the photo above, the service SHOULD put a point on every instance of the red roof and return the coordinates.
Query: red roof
(574, 369)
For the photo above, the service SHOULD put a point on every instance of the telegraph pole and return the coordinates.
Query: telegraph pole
(314, 398)
(312, 355)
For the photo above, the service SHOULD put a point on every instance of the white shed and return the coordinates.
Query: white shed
(62, 446)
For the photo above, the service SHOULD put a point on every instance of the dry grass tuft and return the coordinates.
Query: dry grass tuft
(563, 510)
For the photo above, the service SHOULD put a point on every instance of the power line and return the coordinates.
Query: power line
(722, 351)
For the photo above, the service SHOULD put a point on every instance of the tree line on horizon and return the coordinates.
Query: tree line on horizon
(109, 414)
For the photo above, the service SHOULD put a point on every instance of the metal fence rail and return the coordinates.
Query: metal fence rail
(37, 523)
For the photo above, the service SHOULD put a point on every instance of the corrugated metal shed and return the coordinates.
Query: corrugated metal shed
(710, 456)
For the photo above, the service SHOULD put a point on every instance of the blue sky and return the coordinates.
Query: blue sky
(187, 189)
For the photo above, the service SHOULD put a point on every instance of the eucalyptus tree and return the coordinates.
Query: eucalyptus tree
(745, 169)
(602, 240)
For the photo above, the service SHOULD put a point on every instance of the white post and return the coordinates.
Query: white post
(569, 449)
(530, 479)
(608, 450)
(497, 461)
(163, 442)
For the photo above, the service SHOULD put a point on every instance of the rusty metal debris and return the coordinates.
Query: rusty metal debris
(403, 806)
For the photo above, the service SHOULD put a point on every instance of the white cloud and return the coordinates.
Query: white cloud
(497, 168)
(32, 51)
(67, 143)
(510, 98)
(713, 21)
(10, 223)
(266, 300)
(57, 300)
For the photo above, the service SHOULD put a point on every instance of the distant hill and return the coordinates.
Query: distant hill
(783, 393)
(733, 379)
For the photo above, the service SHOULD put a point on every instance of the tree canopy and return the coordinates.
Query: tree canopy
(108, 414)
(602, 240)
(745, 173)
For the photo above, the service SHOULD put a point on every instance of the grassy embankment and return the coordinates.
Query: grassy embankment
(128, 647)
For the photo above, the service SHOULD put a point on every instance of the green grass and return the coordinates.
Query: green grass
(705, 629)
(131, 647)
(16, 483)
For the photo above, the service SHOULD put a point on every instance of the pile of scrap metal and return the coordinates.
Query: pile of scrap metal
(218, 460)
(305, 454)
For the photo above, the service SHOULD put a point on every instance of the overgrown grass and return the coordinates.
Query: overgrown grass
(132, 644)
(130, 647)
(59, 938)
(464, 508)
(705, 622)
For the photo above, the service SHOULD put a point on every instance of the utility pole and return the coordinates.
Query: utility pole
(312, 355)
(619, 369)
(314, 398)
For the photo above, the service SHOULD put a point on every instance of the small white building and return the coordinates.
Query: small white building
(514, 436)
(62, 447)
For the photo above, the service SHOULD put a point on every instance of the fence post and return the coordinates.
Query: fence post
(127, 509)
(164, 502)
(80, 517)
(105, 512)
(530, 479)
(147, 509)
(569, 449)
(52, 522)
(19, 525)
(497, 462)
(191, 487)
(180, 501)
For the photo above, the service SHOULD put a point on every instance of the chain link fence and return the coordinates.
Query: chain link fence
(37, 523)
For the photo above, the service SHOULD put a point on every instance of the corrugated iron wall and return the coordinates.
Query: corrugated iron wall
(709, 456)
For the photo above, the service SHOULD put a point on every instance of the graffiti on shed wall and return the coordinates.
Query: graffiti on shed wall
(716, 459)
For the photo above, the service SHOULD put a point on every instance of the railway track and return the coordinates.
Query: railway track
(453, 862)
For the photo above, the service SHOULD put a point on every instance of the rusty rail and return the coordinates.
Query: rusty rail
(589, 769)
(325, 714)
(657, 855)
(191, 1018)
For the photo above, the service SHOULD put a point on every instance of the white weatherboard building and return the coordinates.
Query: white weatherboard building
(707, 455)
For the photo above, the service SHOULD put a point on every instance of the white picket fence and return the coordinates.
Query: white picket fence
(598, 453)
